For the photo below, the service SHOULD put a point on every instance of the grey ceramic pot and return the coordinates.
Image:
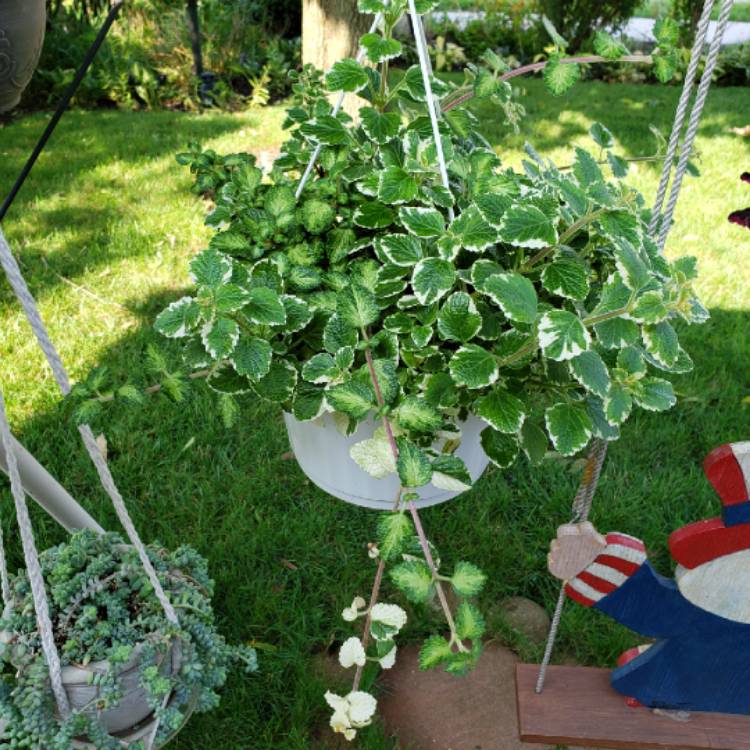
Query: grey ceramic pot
(22, 24)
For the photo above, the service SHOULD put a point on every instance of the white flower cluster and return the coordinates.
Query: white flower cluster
(357, 709)
(351, 712)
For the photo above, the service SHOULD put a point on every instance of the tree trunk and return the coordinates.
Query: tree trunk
(330, 31)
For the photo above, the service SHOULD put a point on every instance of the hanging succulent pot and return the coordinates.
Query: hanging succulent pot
(22, 24)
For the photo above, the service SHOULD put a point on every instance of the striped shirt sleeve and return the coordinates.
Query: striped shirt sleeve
(621, 559)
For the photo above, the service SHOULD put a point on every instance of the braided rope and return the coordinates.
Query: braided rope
(21, 290)
(581, 508)
(679, 121)
(4, 577)
(34, 569)
(692, 130)
(336, 109)
(426, 67)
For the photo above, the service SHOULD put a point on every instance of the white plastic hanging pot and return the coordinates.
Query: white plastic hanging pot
(323, 455)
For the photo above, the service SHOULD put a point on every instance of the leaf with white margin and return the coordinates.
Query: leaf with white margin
(449, 472)
(589, 370)
(347, 75)
(650, 308)
(432, 279)
(352, 398)
(570, 428)
(338, 333)
(252, 357)
(566, 278)
(380, 127)
(179, 319)
(309, 402)
(298, 314)
(220, 336)
(414, 468)
(264, 307)
(327, 130)
(278, 385)
(373, 215)
(562, 335)
(528, 226)
(618, 404)
(473, 367)
(422, 222)
(400, 249)
(379, 49)
(394, 529)
(514, 295)
(416, 415)
(320, 368)
(654, 394)
(358, 306)
(482, 270)
(493, 208)
(500, 448)
(375, 457)
(473, 231)
(396, 185)
(661, 343)
(502, 411)
(633, 270)
(211, 268)
(459, 319)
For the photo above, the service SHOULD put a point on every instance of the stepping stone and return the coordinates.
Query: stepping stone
(436, 711)
(526, 617)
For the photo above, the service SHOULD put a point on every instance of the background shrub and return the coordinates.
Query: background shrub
(249, 46)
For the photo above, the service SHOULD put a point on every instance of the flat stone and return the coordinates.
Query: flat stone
(433, 710)
(527, 617)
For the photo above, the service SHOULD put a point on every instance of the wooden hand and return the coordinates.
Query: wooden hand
(576, 547)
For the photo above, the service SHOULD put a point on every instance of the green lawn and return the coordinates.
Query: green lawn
(109, 210)
(647, 9)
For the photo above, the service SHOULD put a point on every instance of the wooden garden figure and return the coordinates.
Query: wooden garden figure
(701, 660)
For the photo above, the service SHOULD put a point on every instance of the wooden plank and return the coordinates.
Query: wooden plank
(579, 707)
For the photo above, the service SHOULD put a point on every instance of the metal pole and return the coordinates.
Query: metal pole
(48, 492)
(61, 107)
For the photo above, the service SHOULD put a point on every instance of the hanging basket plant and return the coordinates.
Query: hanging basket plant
(128, 673)
(414, 287)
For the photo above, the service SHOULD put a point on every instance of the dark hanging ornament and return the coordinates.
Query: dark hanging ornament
(22, 25)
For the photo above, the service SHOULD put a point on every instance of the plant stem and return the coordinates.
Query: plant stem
(156, 388)
(570, 232)
(435, 575)
(536, 67)
(413, 508)
(529, 347)
(368, 620)
(594, 319)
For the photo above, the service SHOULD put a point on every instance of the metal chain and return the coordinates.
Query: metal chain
(581, 509)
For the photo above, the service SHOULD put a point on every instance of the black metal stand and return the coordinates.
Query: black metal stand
(62, 106)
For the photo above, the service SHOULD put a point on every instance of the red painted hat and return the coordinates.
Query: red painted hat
(728, 470)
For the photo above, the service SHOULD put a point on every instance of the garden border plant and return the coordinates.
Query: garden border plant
(534, 300)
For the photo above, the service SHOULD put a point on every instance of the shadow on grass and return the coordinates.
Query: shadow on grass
(287, 558)
(84, 188)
